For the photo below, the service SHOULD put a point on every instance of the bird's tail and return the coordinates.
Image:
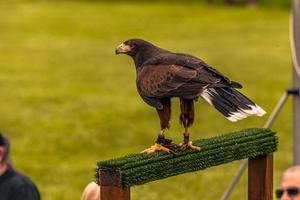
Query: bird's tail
(231, 103)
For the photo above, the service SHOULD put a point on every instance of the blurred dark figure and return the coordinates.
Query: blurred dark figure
(290, 184)
(233, 2)
(13, 185)
(230, 2)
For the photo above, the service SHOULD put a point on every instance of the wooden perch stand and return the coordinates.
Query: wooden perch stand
(110, 186)
(116, 176)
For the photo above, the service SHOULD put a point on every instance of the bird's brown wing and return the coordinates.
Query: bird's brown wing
(160, 81)
(206, 73)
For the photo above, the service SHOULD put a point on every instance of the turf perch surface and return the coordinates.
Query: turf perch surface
(139, 169)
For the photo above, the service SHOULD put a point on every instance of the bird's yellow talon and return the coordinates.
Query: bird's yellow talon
(156, 147)
(189, 145)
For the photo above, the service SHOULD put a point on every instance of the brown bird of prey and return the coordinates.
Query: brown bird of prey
(162, 75)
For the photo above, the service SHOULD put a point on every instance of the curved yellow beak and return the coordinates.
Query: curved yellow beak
(123, 48)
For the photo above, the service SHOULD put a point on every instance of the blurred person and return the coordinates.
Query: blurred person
(13, 185)
(290, 184)
(233, 2)
(229, 2)
(91, 192)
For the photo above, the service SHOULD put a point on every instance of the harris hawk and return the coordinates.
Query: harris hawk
(162, 75)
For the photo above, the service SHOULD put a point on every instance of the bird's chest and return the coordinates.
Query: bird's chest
(151, 81)
(147, 84)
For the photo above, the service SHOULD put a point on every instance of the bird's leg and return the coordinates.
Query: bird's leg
(164, 141)
(187, 119)
(187, 143)
(161, 144)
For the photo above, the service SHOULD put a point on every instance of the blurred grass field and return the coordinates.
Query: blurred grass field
(68, 101)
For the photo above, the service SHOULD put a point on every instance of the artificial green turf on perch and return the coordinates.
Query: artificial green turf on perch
(138, 169)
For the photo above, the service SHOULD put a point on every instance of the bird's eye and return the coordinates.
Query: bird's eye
(131, 46)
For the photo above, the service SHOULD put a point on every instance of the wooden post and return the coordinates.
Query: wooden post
(110, 188)
(260, 178)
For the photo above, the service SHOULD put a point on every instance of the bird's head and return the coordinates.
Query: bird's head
(132, 47)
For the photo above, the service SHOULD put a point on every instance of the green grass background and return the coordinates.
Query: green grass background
(67, 101)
